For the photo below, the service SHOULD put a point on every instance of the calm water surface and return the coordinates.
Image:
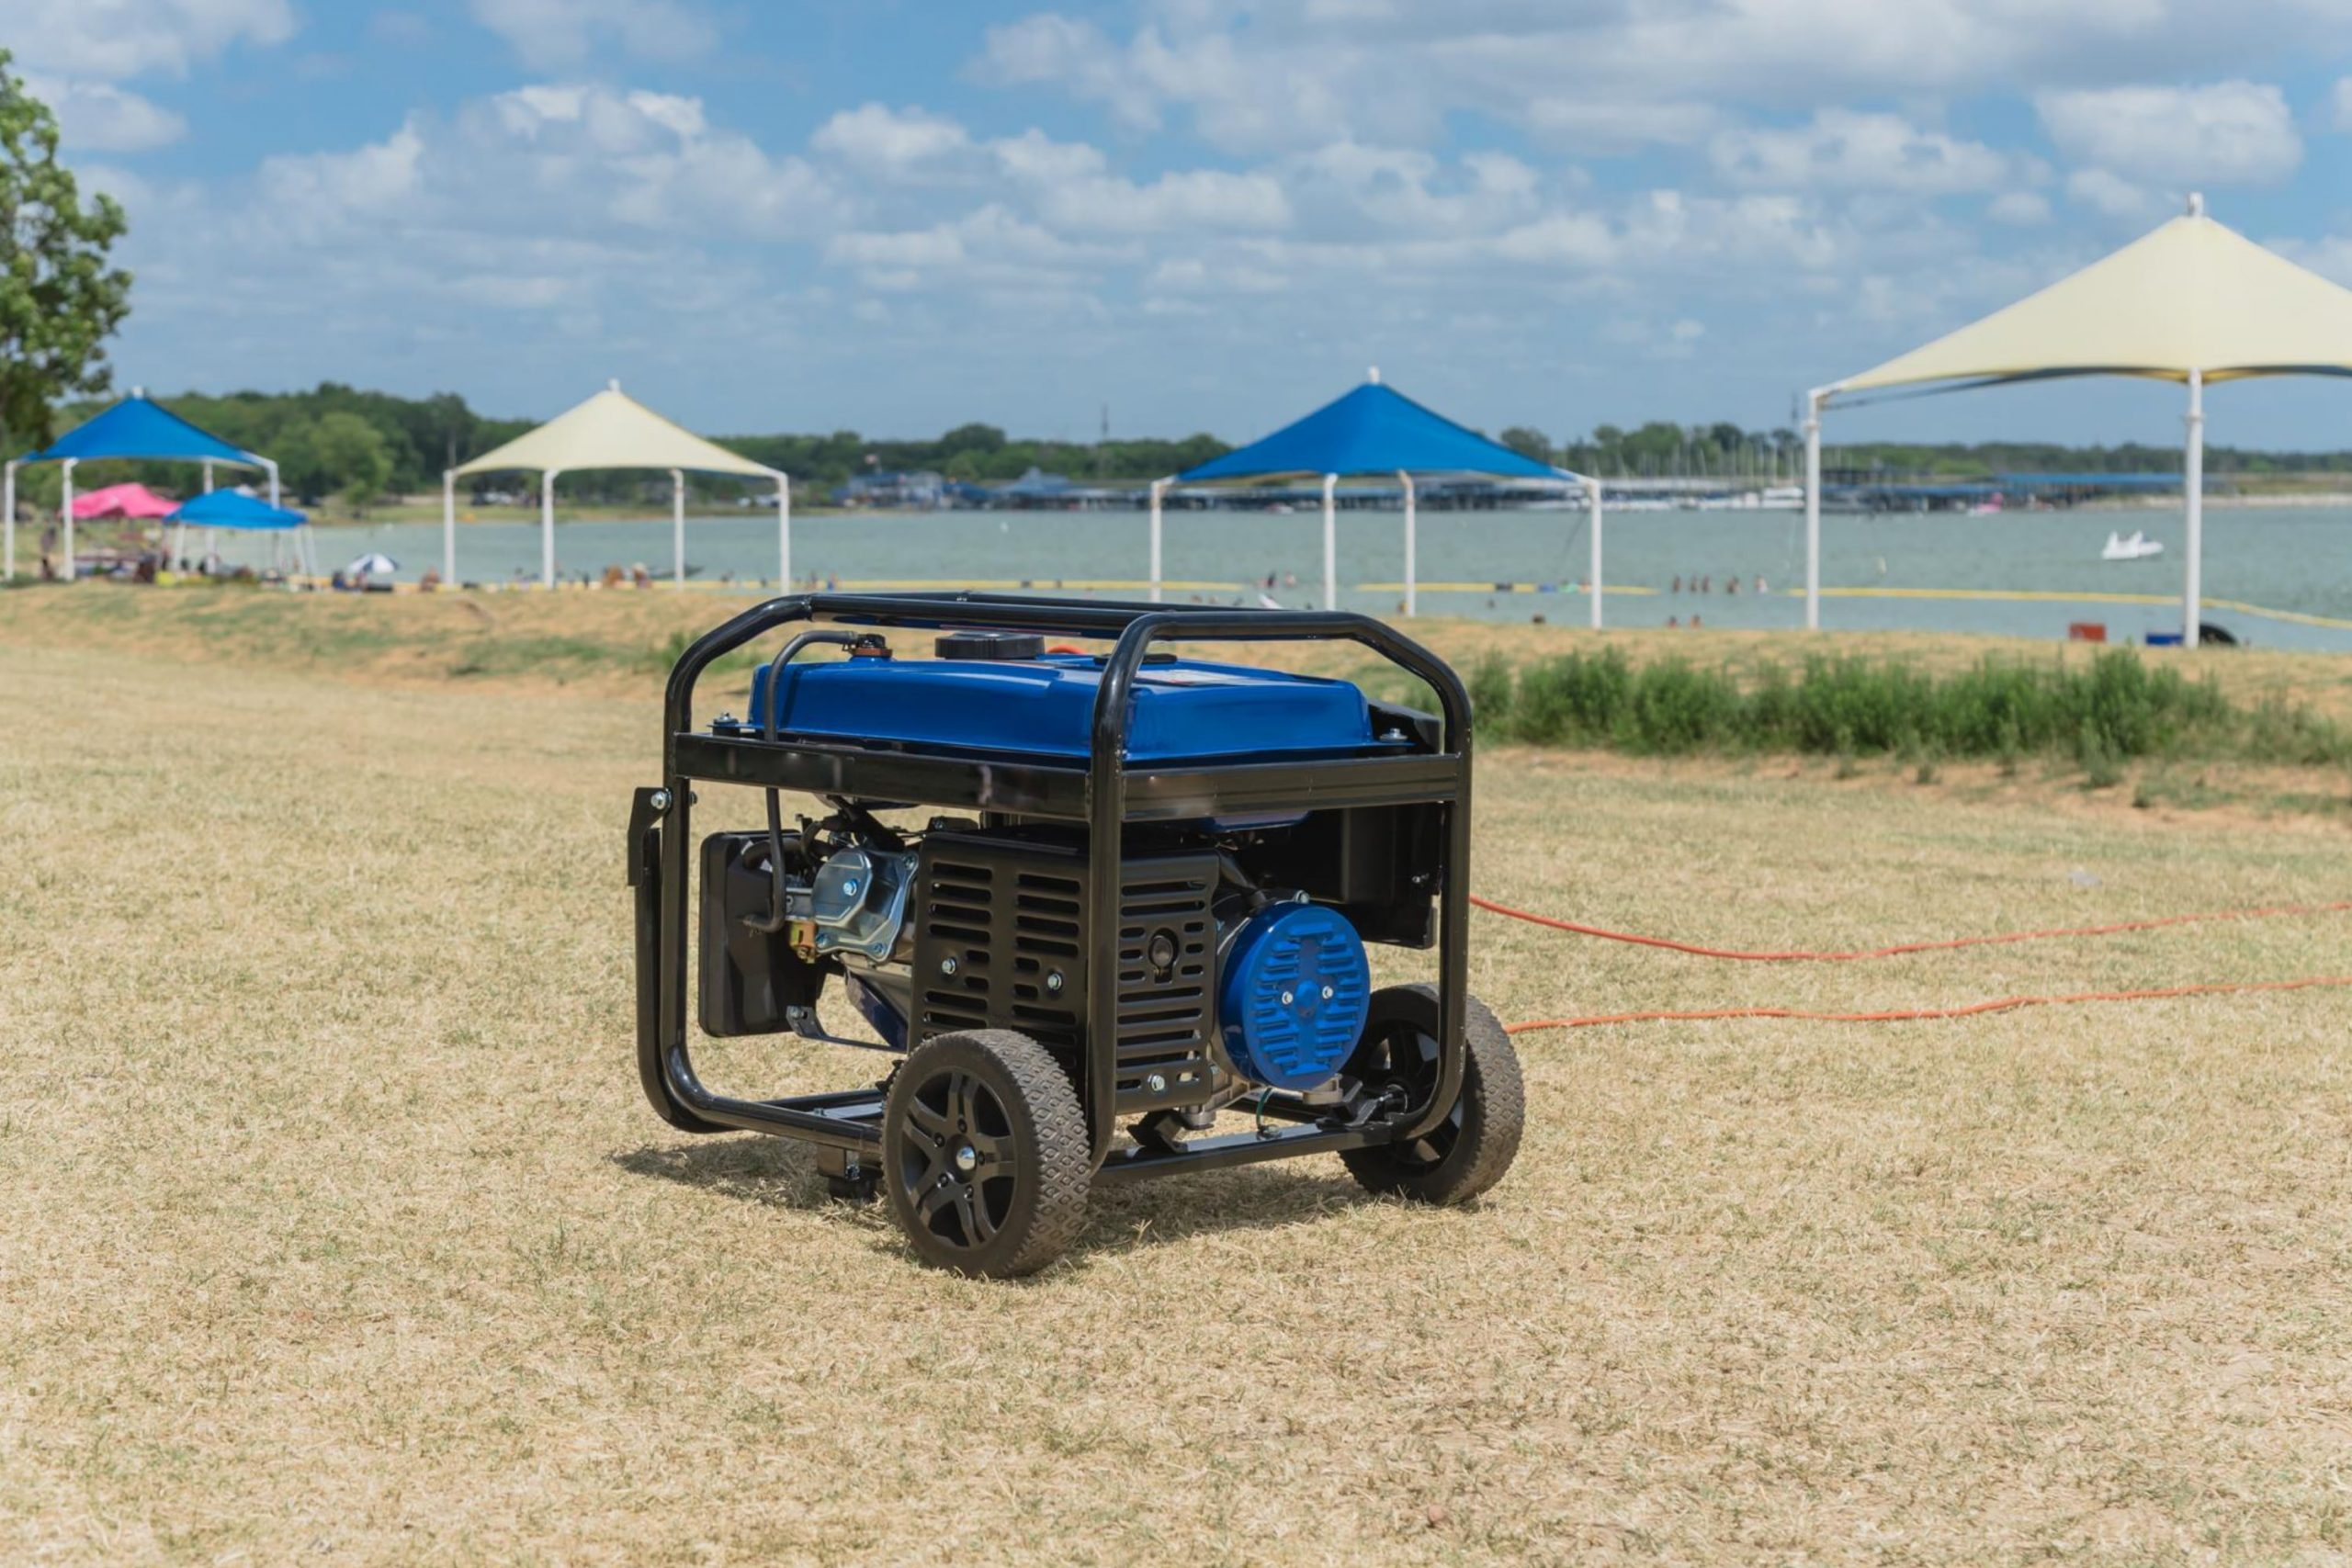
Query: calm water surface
(2294, 560)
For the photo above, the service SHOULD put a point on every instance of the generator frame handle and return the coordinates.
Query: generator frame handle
(659, 853)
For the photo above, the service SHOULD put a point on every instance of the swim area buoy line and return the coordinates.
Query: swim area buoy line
(1911, 1015)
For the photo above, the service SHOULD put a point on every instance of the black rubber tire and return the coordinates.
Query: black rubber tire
(1023, 1200)
(1469, 1151)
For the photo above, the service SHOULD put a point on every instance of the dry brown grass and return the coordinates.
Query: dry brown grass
(611, 642)
(337, 1227)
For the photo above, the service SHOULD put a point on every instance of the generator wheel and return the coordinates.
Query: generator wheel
(985, 1153)
(1466, 1153)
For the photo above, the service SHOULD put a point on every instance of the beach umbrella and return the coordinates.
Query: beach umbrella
(1373, 430)
(120, 500)
(374, 563)
(2191, 302)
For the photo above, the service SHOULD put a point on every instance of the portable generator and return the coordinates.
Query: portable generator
(1147, 902)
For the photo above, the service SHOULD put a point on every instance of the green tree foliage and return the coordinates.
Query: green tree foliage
(422, 436)
(1527, 443)
(59, 300)
(354, 454)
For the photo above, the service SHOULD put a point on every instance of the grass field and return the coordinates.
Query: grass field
(338, 1228)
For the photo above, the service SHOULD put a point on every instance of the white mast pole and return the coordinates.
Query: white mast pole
(547, 526)
(2192, 596)
(1812, 401)
(1592, 500)
(270, 467)
(783, 532)
(450, 527)
(8, 518)
(1159, 493)
(1412, 548)
(1330, 542)
(65, 514)
(678, 527)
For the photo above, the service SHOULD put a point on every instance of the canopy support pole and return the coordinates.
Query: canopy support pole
(1593, 501)
(65, 512)
(8, 519)
(547, 526)
(783, 532)
(450, 527)
(1412, 595)
(179, 530)
(1814, 400)
(270, 466)
(1330, 542)
(678, 527)
(1158, 490)
(2192, 594)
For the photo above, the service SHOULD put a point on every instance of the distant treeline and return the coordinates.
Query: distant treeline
(1660, 449)
(339, 440)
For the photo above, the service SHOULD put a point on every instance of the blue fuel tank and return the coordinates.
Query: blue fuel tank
(1043, 706)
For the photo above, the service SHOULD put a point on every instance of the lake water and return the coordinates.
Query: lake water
(2296, 561)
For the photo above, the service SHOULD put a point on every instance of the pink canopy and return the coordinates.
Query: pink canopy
(120, 500)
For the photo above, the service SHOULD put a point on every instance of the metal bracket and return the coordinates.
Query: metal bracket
(647, 808)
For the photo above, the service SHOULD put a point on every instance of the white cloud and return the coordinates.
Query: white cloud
(1403, 189)
(558, 158)
(562, 34)
(105, 117)
(1289, 75)
(1839, 148)
(113, 39)
(317, 192)
(2104, 192)
(2343, 97)
(2228, 132)
(2020, 208)
(990, 247)
(892, 144)
(1070, 185)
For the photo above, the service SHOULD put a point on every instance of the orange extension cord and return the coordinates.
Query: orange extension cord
(1908, 1015)
(1800, 956)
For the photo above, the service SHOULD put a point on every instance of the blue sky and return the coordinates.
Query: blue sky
(1206, 214)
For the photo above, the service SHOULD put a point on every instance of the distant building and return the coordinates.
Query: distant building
(1042, 491)
(922, 491)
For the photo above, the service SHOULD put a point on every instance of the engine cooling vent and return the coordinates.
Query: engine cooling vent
(1001, 942)
(1167, 981)
(1296, 991)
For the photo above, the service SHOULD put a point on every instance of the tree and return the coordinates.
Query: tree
(1527, 443)
(59, 300)
(352, 456)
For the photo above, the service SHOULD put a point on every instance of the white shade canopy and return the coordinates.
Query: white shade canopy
(2192, 302)
(612, 430)
(2192, 296)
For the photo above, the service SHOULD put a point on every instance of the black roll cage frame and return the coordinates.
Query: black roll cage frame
(1105, 795)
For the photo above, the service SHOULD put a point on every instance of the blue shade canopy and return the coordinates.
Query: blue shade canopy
(1373, 430)
(234, 509)
(140, 427)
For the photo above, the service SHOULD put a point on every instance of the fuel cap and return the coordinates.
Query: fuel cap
(990, 645)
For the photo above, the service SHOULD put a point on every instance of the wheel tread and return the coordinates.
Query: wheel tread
(1494, 1120)
(1064, 1155)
